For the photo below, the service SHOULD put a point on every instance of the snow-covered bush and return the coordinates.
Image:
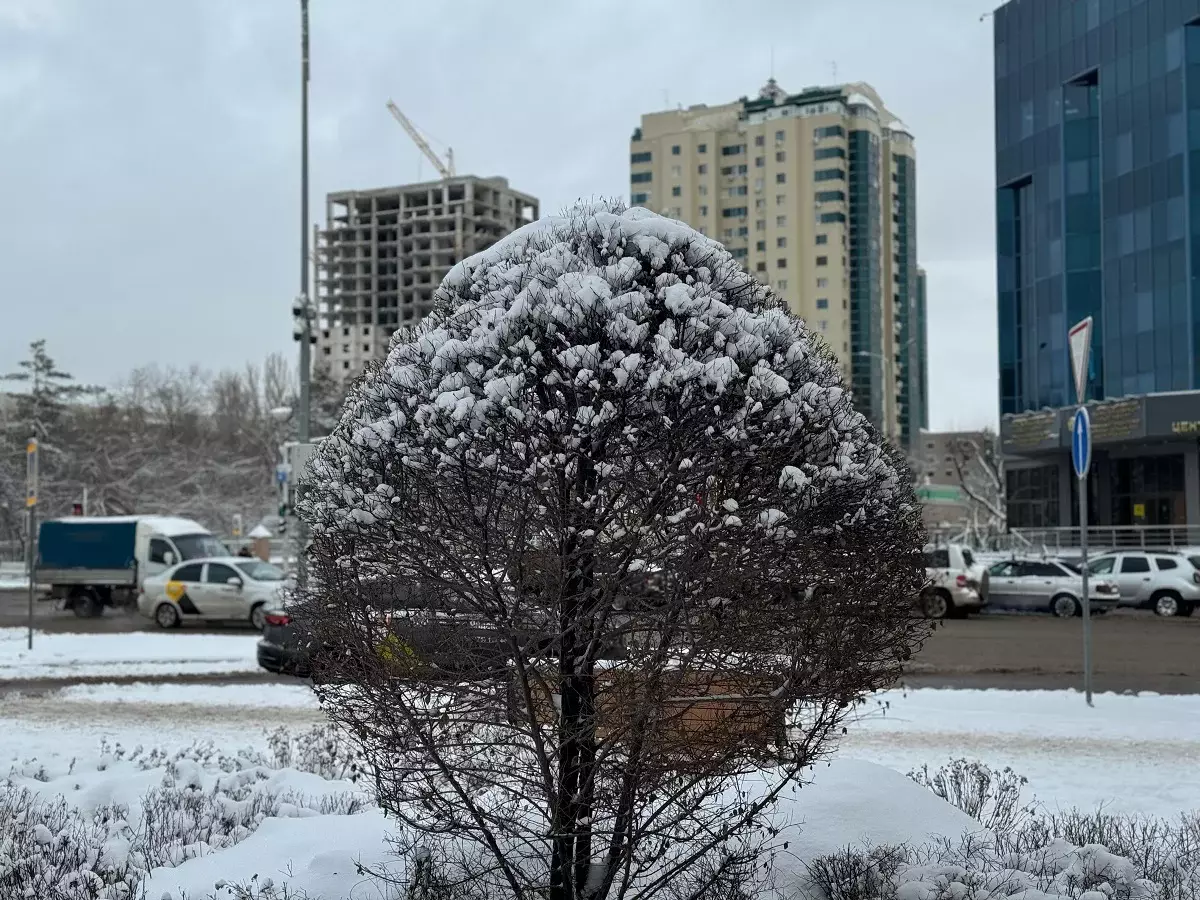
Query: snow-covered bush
(991, 796)
(206, 801)
(630, 518)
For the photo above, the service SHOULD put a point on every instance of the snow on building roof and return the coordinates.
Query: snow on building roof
(857, 99)
(259, 531)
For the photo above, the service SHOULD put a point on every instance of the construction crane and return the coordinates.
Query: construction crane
(446, 169)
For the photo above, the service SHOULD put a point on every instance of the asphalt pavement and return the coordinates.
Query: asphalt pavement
(1133, 651)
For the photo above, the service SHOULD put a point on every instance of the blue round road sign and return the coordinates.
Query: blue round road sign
(1081, 442)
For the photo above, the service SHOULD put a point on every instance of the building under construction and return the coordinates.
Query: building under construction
(383, 252)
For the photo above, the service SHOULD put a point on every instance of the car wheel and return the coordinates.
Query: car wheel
(1065, 606)
(166, 616)
(935, 605)
(87, 605)
(258, 616)
(1168, 604)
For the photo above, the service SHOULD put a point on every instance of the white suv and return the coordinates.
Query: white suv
(957, 583)
(1163, 581)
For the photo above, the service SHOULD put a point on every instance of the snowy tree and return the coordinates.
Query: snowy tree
(607, 557)
(48, 391)
(979, 466)
(327, 394)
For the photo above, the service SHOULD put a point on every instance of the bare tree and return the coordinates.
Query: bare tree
(979, 466)
(606, 556)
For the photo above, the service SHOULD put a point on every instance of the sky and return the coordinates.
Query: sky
(149, 150)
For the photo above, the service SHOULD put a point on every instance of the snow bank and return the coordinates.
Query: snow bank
(137, 654)
(222, 696)
(1133, 754)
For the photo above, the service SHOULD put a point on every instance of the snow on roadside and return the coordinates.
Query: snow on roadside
(1132, 753)
(266, 696)
(139, 654)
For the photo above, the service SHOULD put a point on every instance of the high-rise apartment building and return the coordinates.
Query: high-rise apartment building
(815, 194)
(383, 252)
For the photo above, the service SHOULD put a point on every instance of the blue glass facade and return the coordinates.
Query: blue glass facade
(1097, 195)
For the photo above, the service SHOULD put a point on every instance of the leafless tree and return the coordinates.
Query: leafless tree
(603, 556)
(979, 466)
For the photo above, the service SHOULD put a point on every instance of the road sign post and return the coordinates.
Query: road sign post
(31, 498)
(1079, 340)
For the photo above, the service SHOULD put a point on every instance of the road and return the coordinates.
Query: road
(1133, 651)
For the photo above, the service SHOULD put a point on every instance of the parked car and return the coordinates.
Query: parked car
(1164, 581)
(98, 561)
(957, 582)
(1048, 585)
(281, 649)
(228, 588)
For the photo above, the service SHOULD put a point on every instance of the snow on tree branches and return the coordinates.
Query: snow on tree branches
(610, 554)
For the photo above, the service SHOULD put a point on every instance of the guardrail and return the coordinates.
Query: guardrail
(1113, 537)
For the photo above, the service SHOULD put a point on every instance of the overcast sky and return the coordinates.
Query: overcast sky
(149, 164)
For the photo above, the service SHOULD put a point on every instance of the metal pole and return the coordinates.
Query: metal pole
(302, 418)
(1087, 598)
(32, 569)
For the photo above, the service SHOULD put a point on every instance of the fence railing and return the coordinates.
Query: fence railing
(1112, 537)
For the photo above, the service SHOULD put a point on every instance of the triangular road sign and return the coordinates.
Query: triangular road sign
(1079, 338)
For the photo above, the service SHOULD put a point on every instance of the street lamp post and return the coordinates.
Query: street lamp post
(303, 308)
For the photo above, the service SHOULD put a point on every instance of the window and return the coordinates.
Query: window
(743, 231)
(675, 150)
(366, 331)
(822, 239)
(733, 149)
(760, 224)
(822, 260)
(781, 263)
(326, 351)
(781, 284)
(780, 242)
(261, 571)
(702, 169)
(702, 190)
(640, 198)
(761, 267)
(829, 153)
(759, 140)
(1041, 570)
(219, 574)
(822, 282)
(759, 162)
(643, 157)
(831, 217)
(760, 203)
(739, 252)
(346, 364)
(732, 212)
(159, 550)
(676, 191)
(366, 348)
(781, 177)
(761, 246)
(780, 156)
(345, 332)
(676, 171)
(758, 185)
(781, 221)
(1101, 566)
(640, 177)
(188, 573)
(704, 210)
(738, 190)
(937, 559)
(1135, 564)
(781, 199)
(779, 136)
(824, 324)
(702, 148)
(829, 175)
(822, 303)
(831, 131)
(830, 196)
(1165, 562)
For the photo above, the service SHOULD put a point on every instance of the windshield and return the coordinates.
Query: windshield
(261, 571)
(199, 546)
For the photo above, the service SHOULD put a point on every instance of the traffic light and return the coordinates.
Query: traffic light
(282, 525)
(77, 509)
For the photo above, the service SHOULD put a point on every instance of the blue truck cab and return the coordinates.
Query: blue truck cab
(93, 562)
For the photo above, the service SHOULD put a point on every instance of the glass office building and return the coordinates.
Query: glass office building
(1098, 213)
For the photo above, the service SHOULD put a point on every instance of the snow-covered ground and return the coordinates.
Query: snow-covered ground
(1132, 753)
(140, 654)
